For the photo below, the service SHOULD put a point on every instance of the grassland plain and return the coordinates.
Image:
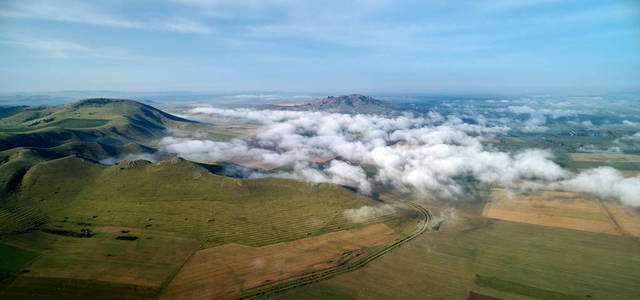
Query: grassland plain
(131, 226)
(445, 264)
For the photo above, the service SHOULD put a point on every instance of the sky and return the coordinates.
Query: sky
(375, 46)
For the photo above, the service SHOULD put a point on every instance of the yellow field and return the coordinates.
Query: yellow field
(604, 157)
(320, 159)
(229, 269)
(255, 164)
(243, 129)
(630, 173)
(555, 209)
(628, 218)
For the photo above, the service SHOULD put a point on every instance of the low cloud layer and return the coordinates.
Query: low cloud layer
(432, 156)
(607, 183)
(365, 213)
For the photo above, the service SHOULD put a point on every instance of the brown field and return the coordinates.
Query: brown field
(255, 164)
(630, 173)
(555, 209)
(407, 144)
(229, 269)
(476, 296)
(320, 159)
(266, 166)
(244, 129)
(627, 217)
(604, 157)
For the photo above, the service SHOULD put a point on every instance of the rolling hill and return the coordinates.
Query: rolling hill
(110, 121)
(94, 129)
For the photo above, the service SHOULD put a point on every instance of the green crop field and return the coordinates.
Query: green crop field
(12, 258)
(45, 288)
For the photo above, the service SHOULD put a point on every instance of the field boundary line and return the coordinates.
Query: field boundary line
(313, 277)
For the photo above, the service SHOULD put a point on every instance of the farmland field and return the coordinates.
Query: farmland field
(549, 208)
(622, 162)
(147, 261)
(628, 218)
(447, 264)
(229, 269)
(605, 157)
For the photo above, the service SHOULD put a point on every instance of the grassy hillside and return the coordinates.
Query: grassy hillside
(15, 162)
(12, 258)
(130, 227)
(109, 121)
(183, 197)
(94, 129)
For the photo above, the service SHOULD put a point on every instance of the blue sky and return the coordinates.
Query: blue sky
(424, 46)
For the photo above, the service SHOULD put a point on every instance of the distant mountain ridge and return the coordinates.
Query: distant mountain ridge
(350, 100)
(354, 103)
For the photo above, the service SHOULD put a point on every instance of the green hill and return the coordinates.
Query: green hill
(93, 129)
(91, 224)
(183, 197)
(109, 121)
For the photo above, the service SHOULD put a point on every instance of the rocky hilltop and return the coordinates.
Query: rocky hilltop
(354, 103)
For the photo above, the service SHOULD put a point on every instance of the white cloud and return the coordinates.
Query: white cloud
(607, 183)
(630, 123)
(364, 213)
(433, 156)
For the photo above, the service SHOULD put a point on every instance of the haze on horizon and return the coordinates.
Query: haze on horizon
(493, 46)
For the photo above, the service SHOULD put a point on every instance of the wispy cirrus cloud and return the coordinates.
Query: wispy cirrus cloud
(67, 49)
(86, 13)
